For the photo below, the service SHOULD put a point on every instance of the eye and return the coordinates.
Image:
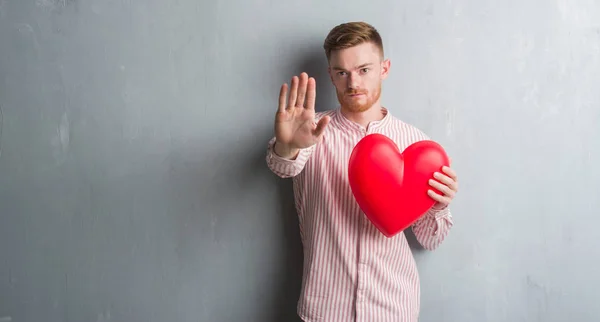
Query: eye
(341, 73)
(364, 70)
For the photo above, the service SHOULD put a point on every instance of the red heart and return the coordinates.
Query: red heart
(391, 187)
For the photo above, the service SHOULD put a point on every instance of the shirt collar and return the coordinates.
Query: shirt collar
(348, 124)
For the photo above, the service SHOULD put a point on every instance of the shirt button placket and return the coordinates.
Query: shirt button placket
(361, 263)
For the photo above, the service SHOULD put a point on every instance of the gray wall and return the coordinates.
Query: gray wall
(133, 185)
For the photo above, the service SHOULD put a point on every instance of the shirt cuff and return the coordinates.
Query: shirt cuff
(440, 213)
(286, 167)
(276, 157)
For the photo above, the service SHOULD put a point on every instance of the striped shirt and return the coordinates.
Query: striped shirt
(352, 272)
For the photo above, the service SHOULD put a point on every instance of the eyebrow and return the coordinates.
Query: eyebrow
(359, 67)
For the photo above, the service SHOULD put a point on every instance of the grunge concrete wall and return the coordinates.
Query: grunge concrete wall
(133, 185)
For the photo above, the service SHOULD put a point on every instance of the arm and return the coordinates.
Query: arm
(431, 229)
(297, 128)
(287, 167)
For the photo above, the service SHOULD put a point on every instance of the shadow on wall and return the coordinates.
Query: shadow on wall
(412, 241)
(289, 290)
(314, 63)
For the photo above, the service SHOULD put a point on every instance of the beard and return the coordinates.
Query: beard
(358, 104)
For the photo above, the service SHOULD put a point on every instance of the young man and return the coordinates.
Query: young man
(352, 272)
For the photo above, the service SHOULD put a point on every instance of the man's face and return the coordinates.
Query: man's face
(357, 74)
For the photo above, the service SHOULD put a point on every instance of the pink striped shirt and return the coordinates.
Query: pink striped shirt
(352, 272)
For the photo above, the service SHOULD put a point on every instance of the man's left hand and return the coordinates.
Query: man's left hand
(445, 182)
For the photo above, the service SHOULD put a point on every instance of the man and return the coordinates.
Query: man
(352, 272)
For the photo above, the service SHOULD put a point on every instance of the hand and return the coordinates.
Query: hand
(447, 184)
(295, 126)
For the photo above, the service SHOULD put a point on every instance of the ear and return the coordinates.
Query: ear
(385, 68)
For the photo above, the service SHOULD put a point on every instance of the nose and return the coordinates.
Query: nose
(353, 81)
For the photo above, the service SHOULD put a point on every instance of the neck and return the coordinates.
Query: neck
(374, 113)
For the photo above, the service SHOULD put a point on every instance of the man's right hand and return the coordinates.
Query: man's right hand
(295, 126)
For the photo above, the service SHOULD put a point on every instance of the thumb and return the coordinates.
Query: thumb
(321, 125)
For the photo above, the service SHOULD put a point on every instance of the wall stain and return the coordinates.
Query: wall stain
(56, 5)
(3, 8)
(61, 141)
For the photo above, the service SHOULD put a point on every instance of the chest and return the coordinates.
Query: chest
(331, 156)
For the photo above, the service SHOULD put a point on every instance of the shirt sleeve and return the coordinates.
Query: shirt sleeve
(431, 229)
(287, 168)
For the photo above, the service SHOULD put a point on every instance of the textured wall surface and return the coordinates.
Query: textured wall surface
(133, 185)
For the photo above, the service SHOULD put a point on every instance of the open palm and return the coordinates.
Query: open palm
(295, 125)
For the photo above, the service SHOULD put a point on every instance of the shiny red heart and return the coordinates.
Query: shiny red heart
(391, 186)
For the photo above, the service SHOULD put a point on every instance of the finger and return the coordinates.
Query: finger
(450, 172)
(438, 198)
(302, 90)
(293, 92)
(447, 191)
(321, 125)
(311, 93)
(282, 97)
(445, 180)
